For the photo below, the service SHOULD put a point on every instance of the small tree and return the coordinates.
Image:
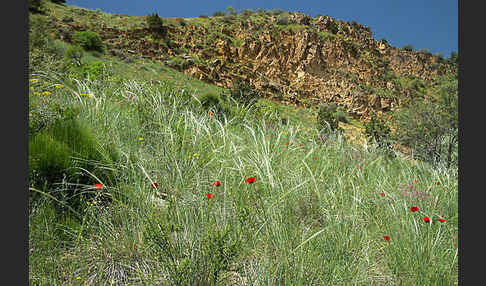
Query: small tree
(429, 126)
(231, 11)
(156, 24)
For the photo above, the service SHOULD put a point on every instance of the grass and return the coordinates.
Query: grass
(314, 215)
(317, 213)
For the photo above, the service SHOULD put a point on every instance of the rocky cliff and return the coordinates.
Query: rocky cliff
(300, 61)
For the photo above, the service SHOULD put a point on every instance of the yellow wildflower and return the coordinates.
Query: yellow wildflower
(46, 92)
(34, 80)
(140, 139)
(59, 86)
(78, 277)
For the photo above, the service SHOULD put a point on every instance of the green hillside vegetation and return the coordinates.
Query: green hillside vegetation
(140, 174)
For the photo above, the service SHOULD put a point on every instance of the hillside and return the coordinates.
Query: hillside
(146, 167)
(289, 57)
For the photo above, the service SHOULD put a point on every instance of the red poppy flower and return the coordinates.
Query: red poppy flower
(415, 181)
(287, 143)
(209, 195)
(414, 209)
(98, 186)
(155, 185)
(382, 194)
(300, 145)
(427, 219)
(250, 180)
(386, 237)
(361, 167)
(438, 183)
(346, 156)
(134, 246)
(217, 183)
(441, 220)
(315, 158)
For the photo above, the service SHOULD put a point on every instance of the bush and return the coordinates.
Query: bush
(283, 20)
(181, 21)
(244, 93)
(408, 48)
(212, 101)
(429, 126)
(88, 40)
(74, 54)
(247, 12)
(156, 24)
(58, 1)
(37, 35)
(36, 6)
(219, 14)
(377, 130)
(326, 119)
(52, 154)
(203, 16)
(333, 27)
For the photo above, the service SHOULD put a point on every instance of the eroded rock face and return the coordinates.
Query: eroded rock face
(306, 62)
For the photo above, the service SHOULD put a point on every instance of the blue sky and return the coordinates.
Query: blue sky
(424, 24)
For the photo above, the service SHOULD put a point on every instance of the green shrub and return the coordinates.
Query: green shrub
(283, 20)
(341, 116)
(231, 11)
(88, 40)
(230, 18)
(93, 70)
(219, 14)
(57, 153)
(37, 33)
(36, 6)
(376, 129)
(203, 16)
(244, 93)
(333, 27)
(58, 1)
(247, 12)
(326, 119)
(429, 126)
(408, 48)
(156, 24)
(74, 54)
(214, 102)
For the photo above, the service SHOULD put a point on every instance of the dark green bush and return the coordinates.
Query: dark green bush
(58, 1)
(408, 48)
(203, 16)
(36, 6)
(326, 119)
(333, 27)
(156, 24)
(219, 14)
(377, 130)
(88, 40)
